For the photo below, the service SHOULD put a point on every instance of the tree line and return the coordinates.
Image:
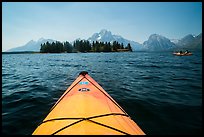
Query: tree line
(83, 46)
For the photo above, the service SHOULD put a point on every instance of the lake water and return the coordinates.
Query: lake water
(161, 92)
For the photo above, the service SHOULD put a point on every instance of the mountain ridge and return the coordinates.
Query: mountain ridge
(106, 36)
(31, 45)
(158, 42)
(155, 42)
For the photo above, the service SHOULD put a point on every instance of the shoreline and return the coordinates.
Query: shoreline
(35, 52)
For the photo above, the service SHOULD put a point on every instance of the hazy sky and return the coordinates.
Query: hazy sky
(24, 21)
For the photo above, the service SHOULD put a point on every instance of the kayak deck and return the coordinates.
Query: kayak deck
(86, 108)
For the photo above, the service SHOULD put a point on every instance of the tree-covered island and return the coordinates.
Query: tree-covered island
(83, 46)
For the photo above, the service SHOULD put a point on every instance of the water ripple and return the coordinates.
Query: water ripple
(161, 92)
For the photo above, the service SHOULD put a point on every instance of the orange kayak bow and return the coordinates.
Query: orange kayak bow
(86, 108)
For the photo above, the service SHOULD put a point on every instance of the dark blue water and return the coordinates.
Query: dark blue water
(161, 92)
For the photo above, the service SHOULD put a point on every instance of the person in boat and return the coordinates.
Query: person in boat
(186, 52)
(180, 52)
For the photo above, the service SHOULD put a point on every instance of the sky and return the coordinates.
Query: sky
(67, 21)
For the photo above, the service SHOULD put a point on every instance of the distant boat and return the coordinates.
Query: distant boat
(183, 53)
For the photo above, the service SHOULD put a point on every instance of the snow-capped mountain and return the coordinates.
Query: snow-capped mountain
(31, 45)
(185, 40)
(102, 36)
(106, 36)
(190, 42)
(157, 43)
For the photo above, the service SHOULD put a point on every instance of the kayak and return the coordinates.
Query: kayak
(86, 108)
(182, 54)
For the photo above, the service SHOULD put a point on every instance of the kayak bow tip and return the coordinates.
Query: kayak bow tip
(83, 73)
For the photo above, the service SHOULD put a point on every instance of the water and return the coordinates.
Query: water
(161, 92)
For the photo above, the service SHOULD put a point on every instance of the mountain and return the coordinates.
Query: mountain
(31, 45)
(157, 42)
(106, 36)
(185, 40)
(190, 42)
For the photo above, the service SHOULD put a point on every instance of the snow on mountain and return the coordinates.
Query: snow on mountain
(190, 42)
(185, 40)
(157, 43)
(31, 45)
(106, 36)
(175, 41)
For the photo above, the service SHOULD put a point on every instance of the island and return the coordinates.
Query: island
(84, 46)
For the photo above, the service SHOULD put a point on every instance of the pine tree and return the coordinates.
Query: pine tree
(122, 46)
(129, 47)
(114, 46)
